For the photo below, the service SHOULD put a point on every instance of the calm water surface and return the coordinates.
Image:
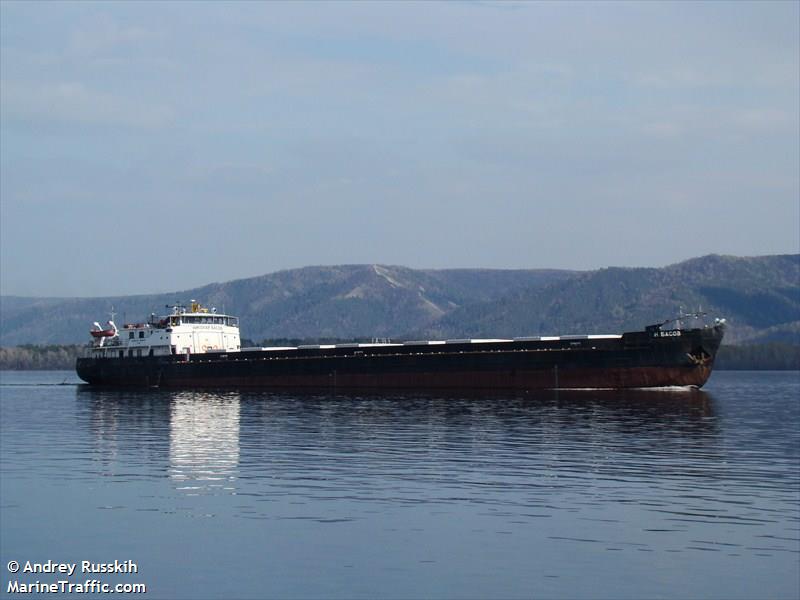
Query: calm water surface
(661, 494)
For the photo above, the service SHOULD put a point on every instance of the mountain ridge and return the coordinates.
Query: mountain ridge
(759, 295)
(336, 301)
(755, 294)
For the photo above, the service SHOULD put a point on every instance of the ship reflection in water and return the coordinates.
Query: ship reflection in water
(287, 443)
(204, 441)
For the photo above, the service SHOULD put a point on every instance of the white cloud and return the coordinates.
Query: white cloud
(103, 34)
(74, 102)
(764, 120)
(662, 129)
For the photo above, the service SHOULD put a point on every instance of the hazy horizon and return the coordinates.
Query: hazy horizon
(150, 148)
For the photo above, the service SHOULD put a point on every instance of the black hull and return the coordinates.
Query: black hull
(639, 359)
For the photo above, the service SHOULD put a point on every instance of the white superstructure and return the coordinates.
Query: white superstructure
(193, 330)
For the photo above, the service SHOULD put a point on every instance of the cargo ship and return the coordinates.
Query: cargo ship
(193, 346)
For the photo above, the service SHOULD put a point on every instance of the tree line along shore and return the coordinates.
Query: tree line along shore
(772, 356)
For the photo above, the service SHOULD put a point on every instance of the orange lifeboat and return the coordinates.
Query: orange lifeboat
(101, 333)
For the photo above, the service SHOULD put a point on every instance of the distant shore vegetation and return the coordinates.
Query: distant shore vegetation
(31, 357)
(772, 356)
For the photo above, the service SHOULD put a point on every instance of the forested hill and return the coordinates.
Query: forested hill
(337, 302)
(760, 297)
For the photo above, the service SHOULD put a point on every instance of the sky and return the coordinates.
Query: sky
(154, 147)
